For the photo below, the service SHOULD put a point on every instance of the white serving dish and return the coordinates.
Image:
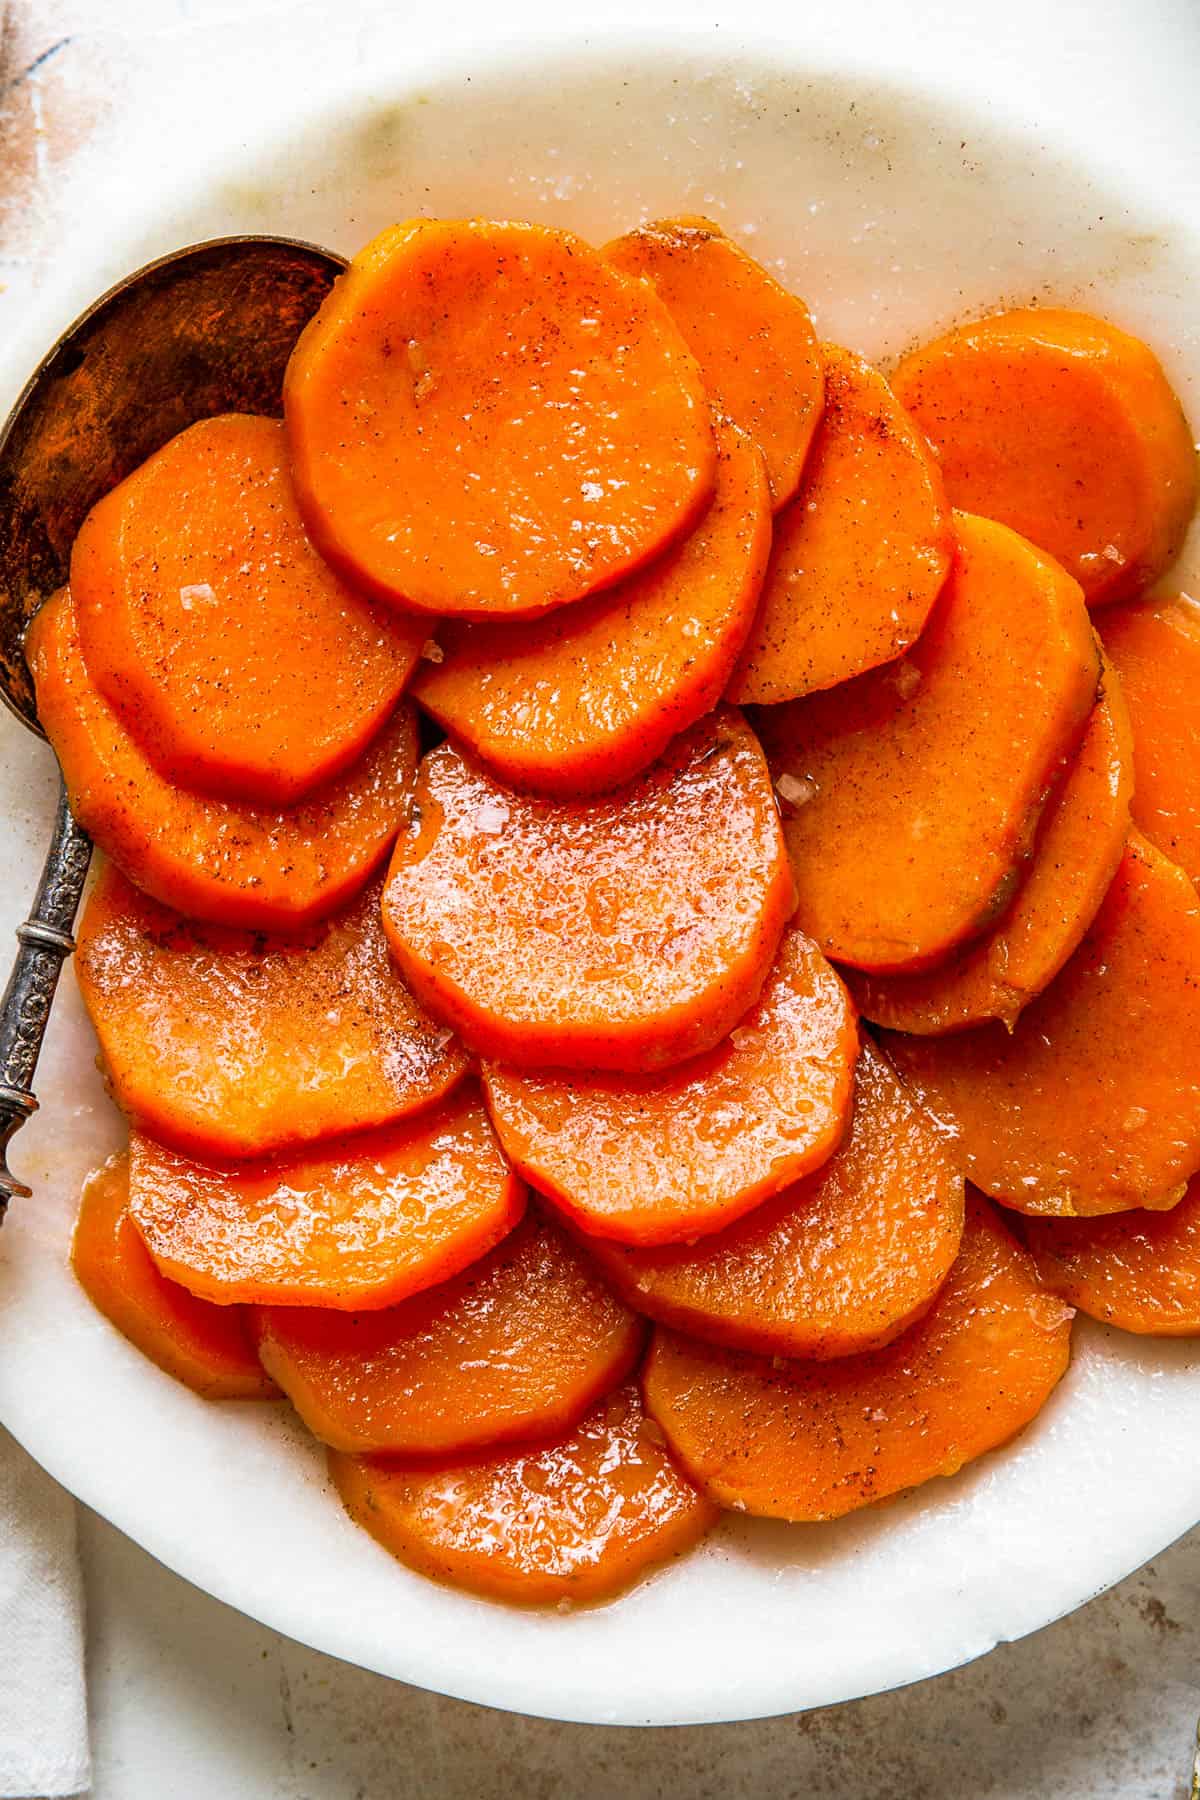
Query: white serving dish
(893, 213)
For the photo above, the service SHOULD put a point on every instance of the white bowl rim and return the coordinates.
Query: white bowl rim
(433, 65)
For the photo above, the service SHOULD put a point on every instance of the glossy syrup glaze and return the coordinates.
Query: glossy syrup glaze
(240, 1043)
(517, 1346)
(656, 1158)
(1155, 647)
(576, 1520)
(486, 418)
(754, 341)
(1065, 428)
(840, 1262)
(1080, 840)
(224, 860)
(627, 932)
(583, 699)
(913, 792)
(813, 1441)
(362, 1221)
(1138, 1270)
(206, 1347)
(232, 653)
(859, 556)
(1091, 1104)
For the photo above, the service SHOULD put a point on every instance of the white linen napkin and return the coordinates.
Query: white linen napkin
(43, 1701)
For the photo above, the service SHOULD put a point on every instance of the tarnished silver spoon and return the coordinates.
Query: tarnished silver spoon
(206, 330)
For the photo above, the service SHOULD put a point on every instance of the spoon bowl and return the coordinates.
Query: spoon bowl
(205, 330)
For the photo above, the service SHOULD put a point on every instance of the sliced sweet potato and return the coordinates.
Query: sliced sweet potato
(862, 552)
(839, 1263)
(583, 699)
(623, 933)
(753, 340)
(206, 1347)
(1065, 428)
(651, 1159)
(577, 1520)
(1092, 1103)
(234, 655)
(224, 860)
(517, 1347)
(911, 795)
(1080, 841)
(1138, 1270)
(487, 418)
(230, 1043)
(817, 1440)
(354, 1224)
(1155, 648)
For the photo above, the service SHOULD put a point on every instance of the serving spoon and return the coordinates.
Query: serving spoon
(206, 330)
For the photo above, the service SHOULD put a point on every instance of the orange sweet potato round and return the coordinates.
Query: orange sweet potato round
(1066, 429)
(1155, 648)
(1092, 1103)
(753, 340)
(577, 1520)
(583, 699)
(206, 1347)
(1138, 1270)
(354, 1224)
(487, 418)
(817, 1440)
(841, 1262)
(232, 653)
(861, 553)
(516, 1347)
(1080, 841)
(627, 933)
(229, 861)
(234, 1044)
(911, 794)
(651, 1159)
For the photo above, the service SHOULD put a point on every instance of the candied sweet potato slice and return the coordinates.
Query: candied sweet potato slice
(1092, 1103)
(1155, 647)
(1065, 428)
(231, 1043)
(754, 340)
(911, 794)
(841, 1262)
(1139, 1270)
(357, 1223)
(808, 1441)
(224, 860)
(860, 555)
(207, 1347)
(628, 932)
(516, 1347)
(488, 418)
(577, 1520)
(234, 655)
(1080, 841)
(583, 699)
(651, 1159)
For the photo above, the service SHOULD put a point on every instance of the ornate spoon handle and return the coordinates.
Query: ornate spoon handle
(44, 942)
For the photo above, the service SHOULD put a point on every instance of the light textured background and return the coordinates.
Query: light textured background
(189, 1699)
